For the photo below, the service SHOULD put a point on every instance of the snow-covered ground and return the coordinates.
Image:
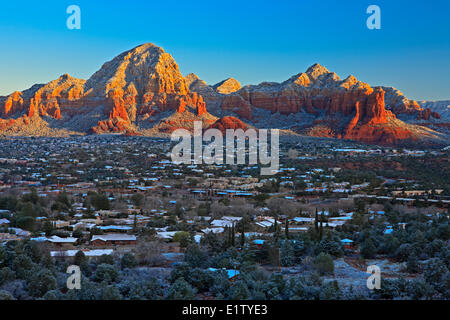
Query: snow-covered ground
(441, 107)
(347, 275)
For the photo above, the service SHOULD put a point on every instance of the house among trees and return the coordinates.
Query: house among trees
(4, 222)
(348, 244)
(113, 239)
(87, 253)
(58, 241)
(231, 273)
(259, 243)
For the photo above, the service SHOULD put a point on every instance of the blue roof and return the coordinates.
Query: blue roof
(346, 241)
(39, 239)
(258, 241)
(230, 272)
(114, 228)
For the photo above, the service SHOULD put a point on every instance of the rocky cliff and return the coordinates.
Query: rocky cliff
(142, 91)
(135, 85)
(225, 123)
(227, 86)
(43, 100)
(402, 106)
(347, 108)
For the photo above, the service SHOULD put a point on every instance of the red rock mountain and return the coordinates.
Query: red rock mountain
(402, 106)
(136, 85)
(229, 123)
(142, 91)
(40, 100)
(348, 108)
(227, 86)
(317, 89)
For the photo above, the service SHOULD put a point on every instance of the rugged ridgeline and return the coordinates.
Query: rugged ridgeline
(440, 107)
(134, 87)
(443, 109)
(142, 91)
(407, 109)
(19, 109)
(318, 103)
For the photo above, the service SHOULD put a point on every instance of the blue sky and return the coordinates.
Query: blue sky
(252, 41)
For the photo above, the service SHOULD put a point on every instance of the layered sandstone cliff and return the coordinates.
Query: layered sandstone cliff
(400, 105)
(348, 108)
(43, 100)
(142, 91)
(314, 91)
(138, 83)
(49, 100)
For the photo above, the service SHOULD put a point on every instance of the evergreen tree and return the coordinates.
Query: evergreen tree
(316, 222)
(79, 258)
(275, 229)
(243, 232)
(239, 291)
(287, 254)
(233, 235)
(41, 282)
(286, 228)
(321, 227)
(412, 264)
(181, 290)
(368, 249)
(134, 222)
(324, 264)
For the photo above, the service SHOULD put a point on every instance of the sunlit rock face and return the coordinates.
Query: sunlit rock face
(145, 80)
(225, 123)
(43, 100)
(142, 81)
(348, 108)
(143, 89)
(227, 86)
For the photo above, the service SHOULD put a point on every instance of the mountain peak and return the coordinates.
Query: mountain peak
(145, 47)
(227, 86)
(191, 78)
(349, 82)
(148, 66)
(65, 76)
(133, 92)
(316, 70)
(302, 79)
